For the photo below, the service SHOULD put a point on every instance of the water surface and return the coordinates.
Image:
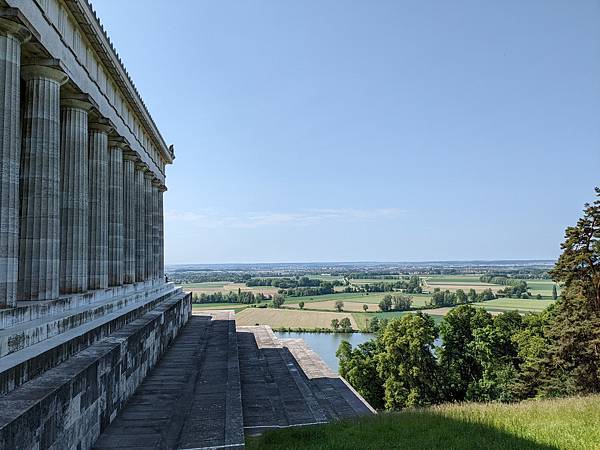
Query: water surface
(326, 344)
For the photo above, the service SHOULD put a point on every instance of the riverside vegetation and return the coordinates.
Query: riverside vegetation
(528, 373)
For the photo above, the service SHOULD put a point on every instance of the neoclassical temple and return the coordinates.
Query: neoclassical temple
(85, 310)
(83, 163)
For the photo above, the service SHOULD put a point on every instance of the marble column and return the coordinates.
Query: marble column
(12, 35)
(149, 221)
(129, 217)
(155, 230)
(115, 212)
(74, 195)
(161, 233)
(98, 206)
(140, 222)
(39, 239)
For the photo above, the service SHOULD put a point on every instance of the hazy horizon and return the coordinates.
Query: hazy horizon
(369, 131)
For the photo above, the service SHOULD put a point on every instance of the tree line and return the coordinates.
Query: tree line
(244, 297)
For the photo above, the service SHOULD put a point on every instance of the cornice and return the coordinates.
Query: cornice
(90, 25)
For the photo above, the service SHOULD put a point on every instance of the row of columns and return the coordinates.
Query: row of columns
(78, 209)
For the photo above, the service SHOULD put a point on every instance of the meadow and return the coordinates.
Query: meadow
(289, 318)
(225, 287)
(320, 310)
(567, 423)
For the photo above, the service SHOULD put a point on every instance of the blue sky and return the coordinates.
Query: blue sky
(368, 130)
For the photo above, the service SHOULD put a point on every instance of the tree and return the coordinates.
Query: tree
(461, 297)
(497, 353)
(278, 300)
(365, 307)
(573, 362)
(554, 292)
(339, 305)
(386, 303)
(579, 264)
(457, 357)
(335, 324)
(345, 324)
(406, 363)
(359, 367)
(301, 304)
(374, 325)
(402, 302)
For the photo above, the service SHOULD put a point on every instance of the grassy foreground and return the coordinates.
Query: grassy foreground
(571, 423)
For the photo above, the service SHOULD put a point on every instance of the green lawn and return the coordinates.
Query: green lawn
(570, 424)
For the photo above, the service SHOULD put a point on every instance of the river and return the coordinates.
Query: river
(326, 344)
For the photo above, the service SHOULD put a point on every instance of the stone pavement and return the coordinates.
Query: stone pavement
(191, 398)
(215, 385)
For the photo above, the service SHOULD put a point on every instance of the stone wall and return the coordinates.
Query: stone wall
(69, 405)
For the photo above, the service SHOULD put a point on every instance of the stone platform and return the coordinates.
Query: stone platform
(68, 366)
(217, 384)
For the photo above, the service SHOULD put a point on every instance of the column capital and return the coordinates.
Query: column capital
(79, 101)
(10, 27)
(100, 124)
(119, 142)
(162, 188)
(44, 68)
(148, 174)
(129, 155)
(141, 166)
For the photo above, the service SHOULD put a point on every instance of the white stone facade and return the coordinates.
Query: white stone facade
(82, 170)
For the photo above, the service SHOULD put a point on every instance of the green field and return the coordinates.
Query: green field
(234, 306)
(453, 278)
(357, 297)
(510, 304)
(570, 424)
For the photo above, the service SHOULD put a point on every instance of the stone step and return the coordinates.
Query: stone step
(69, 405)
(215, 418)
(32, 310)
(25, 333)
(24, 365)
(191, 399)
(275, 394)
(335, 394)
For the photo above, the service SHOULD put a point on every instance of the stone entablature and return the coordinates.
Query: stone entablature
(77, 149)
(70, 31)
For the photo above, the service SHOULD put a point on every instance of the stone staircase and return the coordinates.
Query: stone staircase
(217, 384)
(68, 366)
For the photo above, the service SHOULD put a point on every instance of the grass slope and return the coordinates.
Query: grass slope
(540, 425)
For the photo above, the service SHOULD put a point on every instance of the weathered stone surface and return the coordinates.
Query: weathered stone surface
(39, 241)
(98, 206)
(11, 36)
(74, 196)
(161, 233)
(115, 213)
(129, 218)
(32, 347)
(68, 406)
(192, 398)
(156, 215)
(148, 226)
(285, 384)
(140, 223)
